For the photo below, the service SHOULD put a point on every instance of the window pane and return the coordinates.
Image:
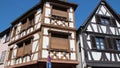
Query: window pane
(100, 43)
(118, 44)
(102, 47)
(98, 47)
(104, 21)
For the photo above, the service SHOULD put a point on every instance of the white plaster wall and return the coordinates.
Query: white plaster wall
(93, 19)
(47, 4)
(94, 27)
(47, 20)
(71, 16)
(82, 55)
(38, 16)
(44, 53)
(72, 45)
(47, 12)
(96, 55)
(71, 24)
(35, 46)
(3, 47)
(46, 31)
(45, 42)
(73, 56)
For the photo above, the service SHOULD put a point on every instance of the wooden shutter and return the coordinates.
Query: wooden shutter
(93, 42)
(97, 19)
(109, 43)
(114, 44)
(113, 23)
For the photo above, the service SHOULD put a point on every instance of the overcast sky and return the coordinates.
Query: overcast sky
(12, 9)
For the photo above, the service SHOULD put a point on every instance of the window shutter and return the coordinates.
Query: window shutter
(113, 23)
(97, 19)
(93, 42)
(109, 43)
(114, 44)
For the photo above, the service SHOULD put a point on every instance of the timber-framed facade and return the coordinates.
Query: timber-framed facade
(98, 38)
(46, 29)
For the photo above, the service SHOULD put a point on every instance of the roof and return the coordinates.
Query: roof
(85, 24)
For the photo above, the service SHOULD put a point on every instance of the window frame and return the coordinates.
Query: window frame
(117, 43)
(100, 40)
(109, 43)
(111, 20)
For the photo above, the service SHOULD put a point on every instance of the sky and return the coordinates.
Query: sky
(12, 9)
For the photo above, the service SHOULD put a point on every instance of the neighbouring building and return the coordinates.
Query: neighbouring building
(4, 41)
(46, 29)
(99, 39)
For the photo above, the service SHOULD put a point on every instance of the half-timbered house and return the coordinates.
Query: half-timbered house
(4, 41)
(46, 29)
(99, 38)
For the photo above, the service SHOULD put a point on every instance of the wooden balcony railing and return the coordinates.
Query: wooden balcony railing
(61, 45)
(27, 50)
(20, 52)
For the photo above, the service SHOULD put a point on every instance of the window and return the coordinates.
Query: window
(118, 44)
(105, 20)
(100, 43)
(2, 57)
